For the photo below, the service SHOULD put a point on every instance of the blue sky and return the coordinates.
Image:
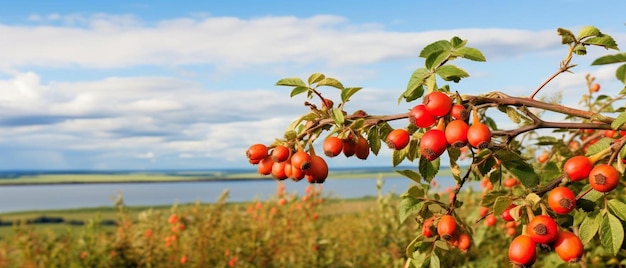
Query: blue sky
(189, 85)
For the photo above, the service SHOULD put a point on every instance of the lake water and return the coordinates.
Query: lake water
(64, 196)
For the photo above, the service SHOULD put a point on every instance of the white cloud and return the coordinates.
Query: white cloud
(110, 41)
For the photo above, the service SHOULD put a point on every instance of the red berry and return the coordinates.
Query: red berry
(280, 153)
(265, 166)
(491, 220)
(506, 214)
(349, 147)
(568, 246)
(446, 228)
(318, 172)
(522, 251)
(433, 144)
(421, 117)
(301, 160)
(561, 200)
(604, 178)
(578, 167)
(456, 133)
(257, 152)
(362, 148)
(459, 112)
(479, 135)
(427, 230)
(543, 229)
(332, 146)
(398, 138)
(438, 103)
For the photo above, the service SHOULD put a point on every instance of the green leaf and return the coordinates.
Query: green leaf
(490, 198)
(398, 156)
(588, 31)
(589, 227)
(611, 233)
(501, 204)
(602, 40)
(434, 261)
(331, 82)
(599, 146)
(619, 121)
(293, 82)
(436, 46)
(414, 176)
(580, 50)
(519, 167)
(470, 54)
(567, 37)
(316, 77)
(414, 89)
(435, 59)
(513, 114)
(298, 90)
(373, 139)
(457, 42)
(338, 116)
(451, 73)
(408, 206)
(609, 59)
(618, 208)
(346, 93)
(412, 150)
(428, 169)
(620, 73)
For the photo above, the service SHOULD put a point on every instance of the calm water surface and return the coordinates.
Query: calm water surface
(42, 197)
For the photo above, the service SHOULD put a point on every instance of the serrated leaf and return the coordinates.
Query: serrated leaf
(611, 233)
(298, 90)
(519, 167)
(414, 88)
(435, 59)
(592, 195)
(501, 204)
(588, 31)
(346, 93)
(618, 208)
(428, 169)
(338, 117)
(470, 54)
(373, 139)
(398, 156)
(609, 59)
(434, 47)
(408, 206)
(316, 77)
(602, 40)
(599, 146)
(293, 82)
(416, 191)
(331, 82)
(414, 176)
(567, 37)
(589, 227)
(490, 198)
(451, 73)
(620, 73)
(619, 121)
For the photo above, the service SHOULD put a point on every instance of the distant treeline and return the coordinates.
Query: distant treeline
(14, 174)
(52, 220)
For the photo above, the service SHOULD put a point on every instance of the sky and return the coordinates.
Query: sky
(145, 85)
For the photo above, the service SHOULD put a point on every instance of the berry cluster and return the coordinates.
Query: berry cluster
(452, 127)
(282, 163)
(447, 229)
